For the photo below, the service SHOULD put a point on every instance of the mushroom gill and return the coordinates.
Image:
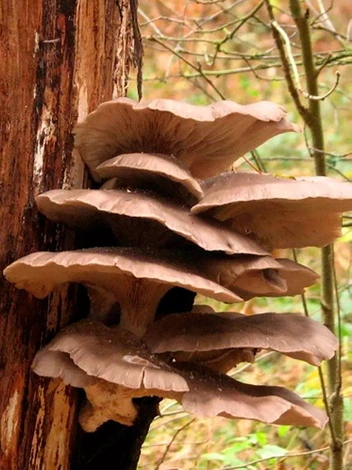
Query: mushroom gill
(163, 174)
(137, 278)
(293, 335)
(275, 211)
(207, 139)
(85, 208)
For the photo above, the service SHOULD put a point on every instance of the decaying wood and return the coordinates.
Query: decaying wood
(57, 64)
(129, 47)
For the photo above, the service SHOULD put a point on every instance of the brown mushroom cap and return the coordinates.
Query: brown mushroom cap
(295, 277)
(278, 212)
(250, 276)
(206, 139)
(113, 354)
(85, 208)
(55, 364)
(296, 336)
(213, 394)
(39, 273)
(162, 173)
(118, 358)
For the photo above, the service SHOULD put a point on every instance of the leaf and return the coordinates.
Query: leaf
(214, 456)
(271, 451)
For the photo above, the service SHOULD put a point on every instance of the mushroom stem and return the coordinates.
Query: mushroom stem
(139, 299)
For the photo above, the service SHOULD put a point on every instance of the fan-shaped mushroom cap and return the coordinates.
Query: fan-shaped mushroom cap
(112, 365)
(250, 276)
(39, 273)
(213, 394)
(295, 277)
(162, 173)
(85, 208)
(278, 212)
(113, 354)
(294, 335)
(137, 278)
(206, 139)
(54, 364)
(123, 368)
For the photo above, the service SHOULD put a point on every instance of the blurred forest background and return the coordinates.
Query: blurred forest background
(201, 51)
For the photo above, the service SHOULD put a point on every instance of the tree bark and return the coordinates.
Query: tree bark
(57, 59)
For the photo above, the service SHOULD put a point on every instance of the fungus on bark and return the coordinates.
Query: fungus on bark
(151, 155)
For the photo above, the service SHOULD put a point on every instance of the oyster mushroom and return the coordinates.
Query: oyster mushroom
(278, 212)
(250, 276)
(86, 208)
(160, 173)
(123, 368)
(137, 278)
(195, 333)
(214, 394)
(206, 139)
(112, 365)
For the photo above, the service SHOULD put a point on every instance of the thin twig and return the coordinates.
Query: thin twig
(172, 441)
(198, 68)
(295, 70)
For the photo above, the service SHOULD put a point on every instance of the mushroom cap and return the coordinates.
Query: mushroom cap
(296, 336)
(206, 139)
(118, 358)
(278, 212)
(86, 208)
(214, 394)
(39, 273)
(55, 364)
(113, 354)
(163, 172)
(294, 276)
(250, 276)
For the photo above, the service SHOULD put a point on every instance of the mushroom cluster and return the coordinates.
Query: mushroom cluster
(175, 217)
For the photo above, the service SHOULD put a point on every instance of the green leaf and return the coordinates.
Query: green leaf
(269, 451)
(214, 456)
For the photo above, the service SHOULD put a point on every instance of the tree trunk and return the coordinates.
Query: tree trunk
(57, 60)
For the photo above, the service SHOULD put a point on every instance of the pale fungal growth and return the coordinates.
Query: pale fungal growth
(215, 394)
(206, 139)
(169, 229)
(278, 212)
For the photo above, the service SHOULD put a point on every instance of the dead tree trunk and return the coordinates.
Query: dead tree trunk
(57, 60)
